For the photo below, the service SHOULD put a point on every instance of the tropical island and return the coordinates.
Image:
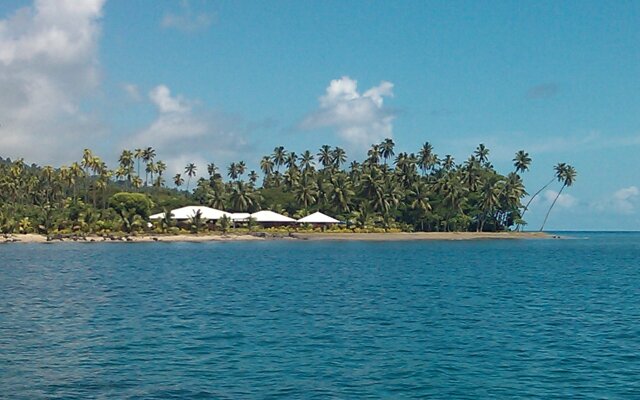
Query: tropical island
(386, 193)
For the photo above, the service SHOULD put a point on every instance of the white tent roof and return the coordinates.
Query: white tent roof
(318, 218)
(270, 216)
(157, 216)
(240, 216)
(190, 211)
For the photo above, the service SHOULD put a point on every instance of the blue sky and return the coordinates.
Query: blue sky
(225, 81)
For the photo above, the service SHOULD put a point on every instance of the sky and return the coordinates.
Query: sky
(222, 81)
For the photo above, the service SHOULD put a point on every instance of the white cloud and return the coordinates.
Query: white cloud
(48, 66)
(361, 119)
(564, 201)
(187, 20)
(182, 132)
(623, 201)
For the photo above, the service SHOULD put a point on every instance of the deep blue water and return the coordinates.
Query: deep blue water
(482, 319)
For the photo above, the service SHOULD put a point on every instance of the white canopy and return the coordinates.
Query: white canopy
(206, 212)
(270, 216)
(318, 218)
(157, 216)
(240, 216)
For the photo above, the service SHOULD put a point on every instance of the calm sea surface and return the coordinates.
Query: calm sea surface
(483, 319)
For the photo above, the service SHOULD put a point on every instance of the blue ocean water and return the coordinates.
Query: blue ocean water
(293, 319)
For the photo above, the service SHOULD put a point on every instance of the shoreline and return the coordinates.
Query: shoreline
(260, 236)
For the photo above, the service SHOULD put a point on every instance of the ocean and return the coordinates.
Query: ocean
(507, 319)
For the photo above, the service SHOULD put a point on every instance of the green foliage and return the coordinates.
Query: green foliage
(129, 206)
(387, 191)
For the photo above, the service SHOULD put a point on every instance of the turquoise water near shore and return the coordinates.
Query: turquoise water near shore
(287, 319)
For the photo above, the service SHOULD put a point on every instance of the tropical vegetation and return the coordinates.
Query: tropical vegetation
(418, 191)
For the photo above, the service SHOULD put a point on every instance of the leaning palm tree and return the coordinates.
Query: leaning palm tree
(559, 169)
(567, 175)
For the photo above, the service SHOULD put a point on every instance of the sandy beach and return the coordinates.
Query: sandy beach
(315, 236)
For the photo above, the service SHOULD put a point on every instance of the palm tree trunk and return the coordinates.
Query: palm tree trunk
(526, 207)
(552, 204)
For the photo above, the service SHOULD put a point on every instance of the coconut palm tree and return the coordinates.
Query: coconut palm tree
(266, 165)
(427, 159)
(279, 156)
(419, 201)
(386, 149)
(212, 170)
(191, 171)
(177, 180)
(138, 154)
(482, 153)
(558, 169)
(233, 171)
(306, 192)
(324, 156)
(306, 161)
(241, 198)
(522, 161)
(567, 175)
(338, 157)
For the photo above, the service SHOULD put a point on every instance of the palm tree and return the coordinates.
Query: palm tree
(567, 175)
(338, 157)
(148, 155)
(233, 171)
(427, 159)
(161, 167)
(253, 178)
(419, 201)
(306, 193)
(212, 170)
(266, 165)
(291, 159)
(177, 180)
(324, 156)
(241, 198)
(521, 161)
(373, 154)
(490, 199)
(448, 163)
(138, 154)
(482, 153)
(191, 171)
(386, 149)
(560, 167)
(306, 161)
(279, 156)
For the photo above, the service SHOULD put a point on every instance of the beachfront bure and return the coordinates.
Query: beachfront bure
(384, 192)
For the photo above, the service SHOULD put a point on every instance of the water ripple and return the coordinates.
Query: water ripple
(526, 319)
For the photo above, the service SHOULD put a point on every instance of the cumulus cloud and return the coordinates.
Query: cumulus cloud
(187, 20)
(183, 132)
(360, 119)
(564, 201)
(622, 201)
(48, 66)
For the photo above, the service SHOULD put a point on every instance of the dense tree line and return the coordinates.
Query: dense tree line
(409, 191)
